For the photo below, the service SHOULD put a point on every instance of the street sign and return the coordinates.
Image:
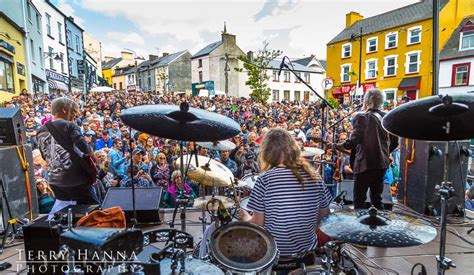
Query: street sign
(327, 83)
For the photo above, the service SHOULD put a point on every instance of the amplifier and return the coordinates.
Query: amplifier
(78, 211)
(11, 127)
(147, 203)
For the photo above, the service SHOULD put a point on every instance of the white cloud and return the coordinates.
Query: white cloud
(69, 11)
(297, 27)
(129, 38)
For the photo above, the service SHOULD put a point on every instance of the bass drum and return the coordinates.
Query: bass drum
(243, 247)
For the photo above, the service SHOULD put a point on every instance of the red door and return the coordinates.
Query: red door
(411, 94)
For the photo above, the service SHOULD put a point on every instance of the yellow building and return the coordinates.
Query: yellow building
(110, 64)
(13, 70)
(391, 51)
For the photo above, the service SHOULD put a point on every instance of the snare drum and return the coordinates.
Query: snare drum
(243, 247)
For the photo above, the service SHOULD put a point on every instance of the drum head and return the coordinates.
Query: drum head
(243, 247)
(193, 266)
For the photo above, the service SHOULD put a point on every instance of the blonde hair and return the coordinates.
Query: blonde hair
(280, 148)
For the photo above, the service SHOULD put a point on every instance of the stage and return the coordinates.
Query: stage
(371, 260)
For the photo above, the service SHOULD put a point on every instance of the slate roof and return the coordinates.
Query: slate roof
(451, 49)
(394, 18)
(165, 60)
(323, 63)
(304, 61)
(111, 63)
(124, 70)
(206, 50)
(275, 65)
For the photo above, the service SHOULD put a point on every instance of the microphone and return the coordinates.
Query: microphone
(282, 64)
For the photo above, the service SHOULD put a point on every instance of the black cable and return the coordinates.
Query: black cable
(423, 269)
(460, 237)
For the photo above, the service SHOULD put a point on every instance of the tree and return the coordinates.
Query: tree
(163, 77)
(256, 69)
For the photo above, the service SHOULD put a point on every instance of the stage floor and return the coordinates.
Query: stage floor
(371, 260)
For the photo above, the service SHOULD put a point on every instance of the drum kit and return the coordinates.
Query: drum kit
(240, 247)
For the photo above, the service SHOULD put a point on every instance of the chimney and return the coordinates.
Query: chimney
(353, 17)
(152, 57)
(127, 55)
(165, 54)
(250, 56)
(108, 58)
(228, 39)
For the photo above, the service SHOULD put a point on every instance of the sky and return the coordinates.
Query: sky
(299, 28)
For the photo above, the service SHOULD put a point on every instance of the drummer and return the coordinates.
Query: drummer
(288, 198)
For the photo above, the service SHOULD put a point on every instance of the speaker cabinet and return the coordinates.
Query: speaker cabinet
(422, 168)
(11, 127)
(147, 203)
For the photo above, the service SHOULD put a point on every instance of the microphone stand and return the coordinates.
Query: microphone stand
(134, 220)
(324, 102)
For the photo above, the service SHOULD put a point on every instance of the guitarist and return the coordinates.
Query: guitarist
(63, 147)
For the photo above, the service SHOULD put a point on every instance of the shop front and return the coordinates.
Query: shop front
(57, 82)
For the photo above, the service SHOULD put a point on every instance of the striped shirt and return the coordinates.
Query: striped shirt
(290, 210)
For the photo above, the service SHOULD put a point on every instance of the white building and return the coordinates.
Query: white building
(94, 48)
(287, 86)
(54, 41)
(456, 72)
(213, 68)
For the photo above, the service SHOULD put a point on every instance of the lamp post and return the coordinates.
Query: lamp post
(355, 37)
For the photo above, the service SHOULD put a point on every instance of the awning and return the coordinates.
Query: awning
(56, 85)
(410, 83)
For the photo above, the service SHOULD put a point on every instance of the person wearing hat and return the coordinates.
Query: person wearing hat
(104, 142)
(137, 158)
(249, 167)
(89, 137)
(140, 178)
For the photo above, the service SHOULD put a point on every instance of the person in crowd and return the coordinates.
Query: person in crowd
(160, 171)
(140, 178)
(88, 136)
(470, 198)
(228, 162)
(289, 180)
(105, 141)
(65, 174)
(45, 196)
(372, 145)
(176, 188)
(249, 167)
(39, 164)
(150, 149)
(118, 160)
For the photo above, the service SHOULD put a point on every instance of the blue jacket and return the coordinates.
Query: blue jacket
(118, 163)
(100, 144)
(232, 165)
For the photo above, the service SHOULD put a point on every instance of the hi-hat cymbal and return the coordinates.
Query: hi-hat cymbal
(209, 172)
(223, 145)
(425, 119)
(381, 230)
(201, 202)
(180, 122)
(311, 152)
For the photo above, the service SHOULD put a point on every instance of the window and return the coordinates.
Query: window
(60, 33)
(120, 85)
(32, 49)
(200, 77)
(286, 95)
(412, 64)
(307, 78)
(28, 10)
(390, 66)
(276, 77)
(296, 78)
(346, 50)
(460, 76)
(467, 40)
(50, 56)
(199, 63)
(286, 76)
(62, 64)
(345, 72)
(48, 24)
(414, 35)
(306, 95)
(372, 44)
(276, 95)
(38, 22)
(6, 76)
(390, 96)
(69, 39)
(297, 95)
(391, 40)
(371, 69)
(40, 54)
(78, 47)
(115, 86)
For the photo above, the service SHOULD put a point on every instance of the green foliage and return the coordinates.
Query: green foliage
(333, 102)
(256, 71)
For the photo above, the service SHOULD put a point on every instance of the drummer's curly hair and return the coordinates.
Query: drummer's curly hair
(280, 148)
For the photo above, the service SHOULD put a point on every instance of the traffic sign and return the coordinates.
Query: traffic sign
(327, 83)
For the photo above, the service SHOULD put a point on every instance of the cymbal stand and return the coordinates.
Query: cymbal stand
(445, 191)
(182, 199)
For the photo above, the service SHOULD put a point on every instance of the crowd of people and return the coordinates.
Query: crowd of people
(119, 150)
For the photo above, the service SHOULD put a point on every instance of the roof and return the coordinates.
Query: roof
(323, 63)
(394, 18)
(124, 70)
(165, 60)
(304, 61)
(451, 48)
(110, 64)
(206, 50)
(275, 65)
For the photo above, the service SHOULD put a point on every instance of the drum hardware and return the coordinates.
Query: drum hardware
(309, 152)
(223, 145)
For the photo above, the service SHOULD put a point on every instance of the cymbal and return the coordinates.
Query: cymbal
(209, 172)
(180, 122)
(201, 202)
(311, 151)
(381, 230)
(425, 119)
(223, 145)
